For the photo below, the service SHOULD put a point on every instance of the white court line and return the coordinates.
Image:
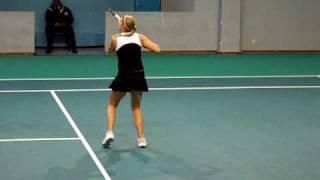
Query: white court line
(234, 87)
(167, 89)
(233, 77)
(38, 139)
(55, 79)
(162, 77)
(80, 135)
(56, 90)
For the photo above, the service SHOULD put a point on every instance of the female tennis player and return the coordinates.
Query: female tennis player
(130, 77)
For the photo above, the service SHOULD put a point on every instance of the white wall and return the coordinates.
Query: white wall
(280, 25)
(17, 32)
(177, 31)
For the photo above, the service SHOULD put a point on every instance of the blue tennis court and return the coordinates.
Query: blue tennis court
(208, 127)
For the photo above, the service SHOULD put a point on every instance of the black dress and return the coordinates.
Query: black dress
(130, 75)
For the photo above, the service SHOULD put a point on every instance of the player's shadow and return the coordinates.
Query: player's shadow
(83, 169)
(159, 164)
(133, 163)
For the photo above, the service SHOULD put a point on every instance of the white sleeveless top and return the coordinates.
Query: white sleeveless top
(123, 40)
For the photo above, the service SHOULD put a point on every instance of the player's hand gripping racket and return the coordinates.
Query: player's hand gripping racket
(115, 15)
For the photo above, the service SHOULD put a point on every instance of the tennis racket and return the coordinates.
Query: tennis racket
(118, 18)
(115, 15)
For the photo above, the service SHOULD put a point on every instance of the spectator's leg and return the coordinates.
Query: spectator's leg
(50, 36)
(70, 37)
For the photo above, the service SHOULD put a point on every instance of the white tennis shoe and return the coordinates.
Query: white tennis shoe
(108, 139)
(142, 142)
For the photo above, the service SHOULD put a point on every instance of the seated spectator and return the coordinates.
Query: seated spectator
(59, 19)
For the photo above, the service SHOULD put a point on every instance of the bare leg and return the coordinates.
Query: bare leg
(114, 100)
(136, 97)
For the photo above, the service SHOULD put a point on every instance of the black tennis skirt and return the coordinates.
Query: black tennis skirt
(129, 81)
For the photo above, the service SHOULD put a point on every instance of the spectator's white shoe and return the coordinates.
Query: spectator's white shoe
(142, 142)
(108, 139)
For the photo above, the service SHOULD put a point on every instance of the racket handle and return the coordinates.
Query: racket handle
(115, 15)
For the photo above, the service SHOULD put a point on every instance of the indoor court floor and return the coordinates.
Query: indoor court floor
(207, 117)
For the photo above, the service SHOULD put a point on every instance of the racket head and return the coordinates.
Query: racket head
(115, 15)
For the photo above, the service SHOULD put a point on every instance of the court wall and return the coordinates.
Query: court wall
(199, 25)
(177, 31)
(280, 25)
(17, 32)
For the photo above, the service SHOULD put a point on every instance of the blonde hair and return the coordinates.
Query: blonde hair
(129, 23)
